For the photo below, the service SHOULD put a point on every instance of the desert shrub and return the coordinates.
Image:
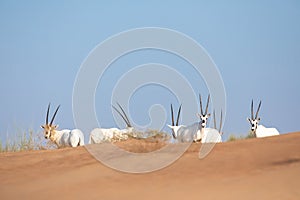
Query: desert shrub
(233, 137)
(150, 135)
(250, 135)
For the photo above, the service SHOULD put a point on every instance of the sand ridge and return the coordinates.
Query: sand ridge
(264, 168)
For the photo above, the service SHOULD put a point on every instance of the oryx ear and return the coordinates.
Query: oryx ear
(170, 126)
(56, 126)
(199, 115)
(248, 119)
(258, 119)
(208, 115)
(42, 126)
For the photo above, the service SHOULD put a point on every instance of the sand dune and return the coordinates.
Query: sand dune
(266, 168)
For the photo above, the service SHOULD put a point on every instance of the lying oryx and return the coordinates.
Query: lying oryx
(203, 119)
(99, 135)
(64, 137)
(260, 130)
(212, 135)
(180, 132)
(204, 134)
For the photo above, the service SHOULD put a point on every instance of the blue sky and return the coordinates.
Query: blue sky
(255, 45)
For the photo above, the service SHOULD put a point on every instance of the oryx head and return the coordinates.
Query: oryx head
(215, 122)
(254, 120)
(49, 128)
(204, 115)
(122, 113)
(175, 127)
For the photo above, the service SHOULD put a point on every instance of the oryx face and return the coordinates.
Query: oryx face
(204, 115)
(175, 130)
(203, 120)
(254, 120)
(254, 124)
(49, 128)
(49, 131)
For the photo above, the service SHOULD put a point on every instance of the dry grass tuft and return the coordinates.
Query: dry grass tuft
(26, 141)
(242, 137)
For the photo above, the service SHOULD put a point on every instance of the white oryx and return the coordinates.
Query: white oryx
(203, 119)
(204, 134)
(64, 137)
(99, 135)
(259, 130)
(181, 132)
(213, 135)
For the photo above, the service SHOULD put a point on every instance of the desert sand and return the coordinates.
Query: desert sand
(265, 168)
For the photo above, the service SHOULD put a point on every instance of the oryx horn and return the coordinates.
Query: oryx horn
(200, 100)
(207, 103)
(172, 115)
(178, 115)
(124, 116)
(215, 122)
(221, 121)
(47, 116)
(54, 115)
(252, 115)
(256, 115)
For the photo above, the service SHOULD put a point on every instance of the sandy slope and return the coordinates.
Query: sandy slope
(266, 168)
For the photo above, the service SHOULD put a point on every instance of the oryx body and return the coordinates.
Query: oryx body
(262, 131)
(182, 133)
(66, 137)
(100, 135)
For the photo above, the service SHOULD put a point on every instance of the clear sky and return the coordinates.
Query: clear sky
(255, 45)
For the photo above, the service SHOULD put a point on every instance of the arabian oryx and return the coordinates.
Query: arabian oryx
(64, 137)
(259, 130)
(203, 119)
(204, 115)
(181, 132)
(213, 135)
(204, 134)
(99, 135)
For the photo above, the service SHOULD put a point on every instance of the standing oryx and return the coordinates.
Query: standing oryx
(180, 132)
(99, 135)
(260, 130)
(64, 137)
